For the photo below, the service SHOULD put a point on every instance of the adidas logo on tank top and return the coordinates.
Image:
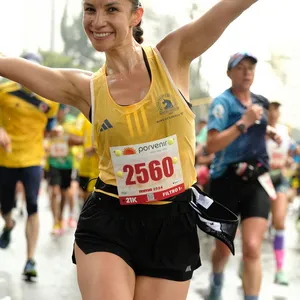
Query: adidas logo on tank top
(106, 125)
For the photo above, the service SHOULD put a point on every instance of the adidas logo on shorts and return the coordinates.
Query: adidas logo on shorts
(106, 125)
(188, 269)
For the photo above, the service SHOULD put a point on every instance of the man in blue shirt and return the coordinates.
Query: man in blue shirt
(236, 134)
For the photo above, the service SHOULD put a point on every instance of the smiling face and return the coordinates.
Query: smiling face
(109, 23)
(242, 75)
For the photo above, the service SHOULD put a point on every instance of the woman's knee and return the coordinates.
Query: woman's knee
(253, 230)
(278, 223)
(252, 248)
(221, 249)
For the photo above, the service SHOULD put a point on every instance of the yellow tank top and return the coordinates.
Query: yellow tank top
(24, 116)
(156, 122)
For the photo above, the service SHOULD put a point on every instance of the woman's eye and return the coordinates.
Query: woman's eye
(89, 9)
(112, 9)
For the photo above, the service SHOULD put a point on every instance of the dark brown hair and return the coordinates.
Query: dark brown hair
(137, 30)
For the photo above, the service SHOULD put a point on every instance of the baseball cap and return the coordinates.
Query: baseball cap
(236, 58)
(33, 57)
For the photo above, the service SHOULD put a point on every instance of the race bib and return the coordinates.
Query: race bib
(277, 158)
(278, 153)
(148, 172)
(59, 147)
(266, 183)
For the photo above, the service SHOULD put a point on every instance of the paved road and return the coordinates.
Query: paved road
(57, 275)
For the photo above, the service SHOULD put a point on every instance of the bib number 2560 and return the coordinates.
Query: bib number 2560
(155, 170)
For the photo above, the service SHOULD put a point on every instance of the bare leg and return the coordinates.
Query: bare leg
(253, 230)
(104, 276)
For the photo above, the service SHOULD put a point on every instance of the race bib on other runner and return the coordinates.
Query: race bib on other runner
(148, 172)
(59, 147)
(277, 156)
(266, 183)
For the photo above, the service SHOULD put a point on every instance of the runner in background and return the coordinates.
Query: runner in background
(278, 159)
(24, 117)
(240, 181)
(61, 163)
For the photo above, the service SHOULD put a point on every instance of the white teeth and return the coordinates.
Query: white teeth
(100, 35)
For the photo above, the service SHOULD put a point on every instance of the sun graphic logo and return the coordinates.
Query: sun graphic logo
(129, 151)
(126, 151)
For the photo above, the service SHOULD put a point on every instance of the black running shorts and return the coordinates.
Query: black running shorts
(245, 198)
(31, 179)
(61, 177)
(154, 240)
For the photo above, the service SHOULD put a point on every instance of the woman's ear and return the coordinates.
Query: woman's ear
(137, 16)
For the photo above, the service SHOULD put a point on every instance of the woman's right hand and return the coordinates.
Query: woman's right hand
(253, 114)
(5, 141)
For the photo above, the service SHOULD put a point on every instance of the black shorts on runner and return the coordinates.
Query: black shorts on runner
(61, 177)
(154, 240)
(245, 198)
(31, 179)
(280, 182)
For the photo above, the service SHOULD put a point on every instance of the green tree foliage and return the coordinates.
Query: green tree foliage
(57, 60)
